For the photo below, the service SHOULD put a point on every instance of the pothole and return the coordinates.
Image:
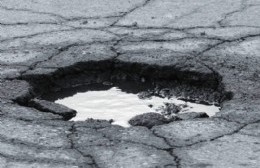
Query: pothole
(121, 101)
(119, 91)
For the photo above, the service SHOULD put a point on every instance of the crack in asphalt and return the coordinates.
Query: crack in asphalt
(227, 15)
(183, 29)
(51, 32)
(218, 137)
(71, 29)
(146, 2)
(34, 12)
(35, 34)
(170, 150)
(244, 6)
(18, 158)
(223, 42)
(61, 19)
(73, 146)
(210, 139)
(190, 13)
(28, 23)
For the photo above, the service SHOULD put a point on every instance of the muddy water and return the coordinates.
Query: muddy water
(121, 102)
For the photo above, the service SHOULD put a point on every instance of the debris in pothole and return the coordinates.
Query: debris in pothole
(169, 109)
(148, 120)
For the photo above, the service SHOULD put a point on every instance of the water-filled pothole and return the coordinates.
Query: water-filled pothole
(120, 101)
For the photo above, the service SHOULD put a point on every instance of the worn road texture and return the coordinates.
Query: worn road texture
(39, 38)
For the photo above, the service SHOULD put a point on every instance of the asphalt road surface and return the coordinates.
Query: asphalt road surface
(211, 40)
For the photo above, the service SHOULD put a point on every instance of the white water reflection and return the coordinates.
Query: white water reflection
(121, 106)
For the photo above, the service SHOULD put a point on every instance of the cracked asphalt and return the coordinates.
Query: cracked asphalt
(214, 41)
